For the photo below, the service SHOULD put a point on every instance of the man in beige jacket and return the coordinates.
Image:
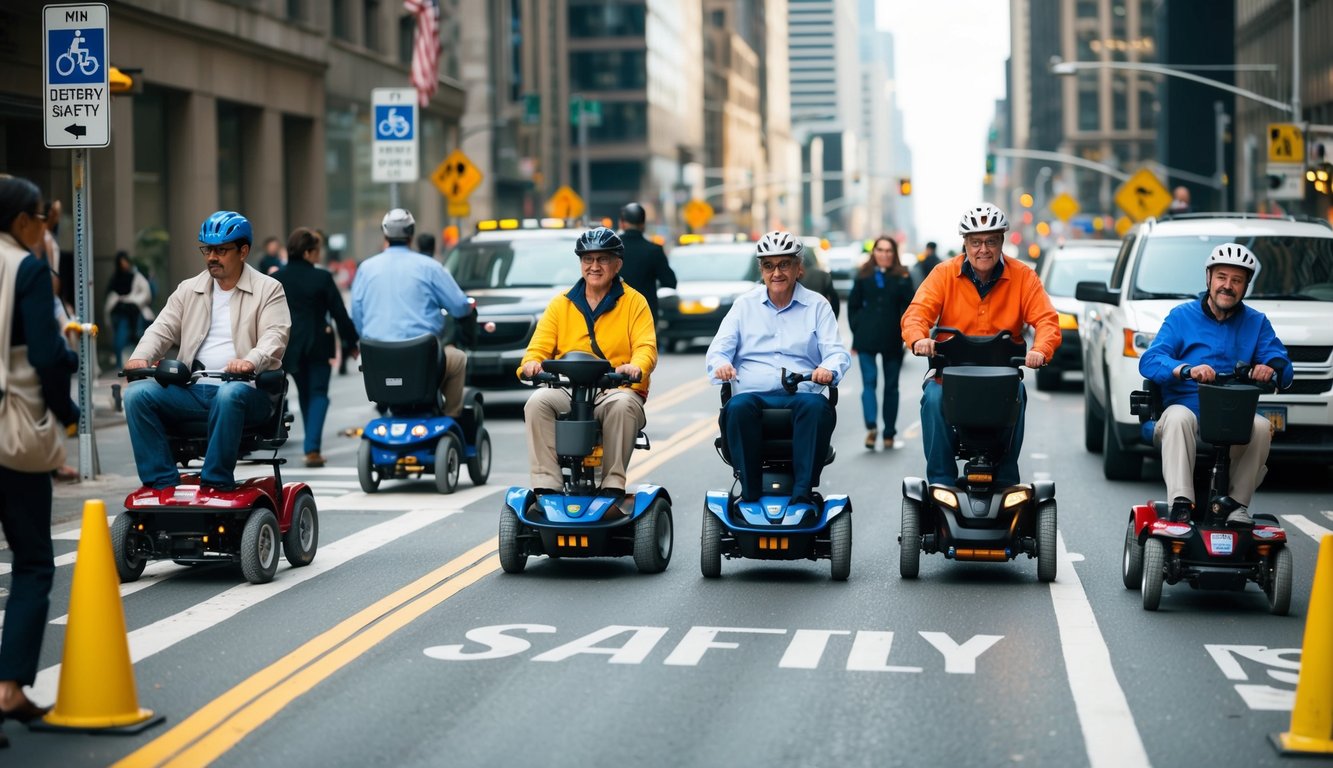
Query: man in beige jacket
(229, 317)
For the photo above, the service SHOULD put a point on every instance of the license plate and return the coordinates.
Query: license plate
(1276, 415)
(1221, 543)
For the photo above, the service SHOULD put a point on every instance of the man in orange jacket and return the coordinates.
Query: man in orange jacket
(980, 293)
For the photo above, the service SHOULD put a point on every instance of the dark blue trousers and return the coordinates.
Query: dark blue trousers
(25, 514)
(813, 419)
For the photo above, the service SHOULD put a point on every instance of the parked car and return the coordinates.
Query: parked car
(709, 277)
(1062, 269)
(512, 273)
(1159, 266)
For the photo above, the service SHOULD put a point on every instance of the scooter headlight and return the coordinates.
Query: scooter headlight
(419, 430)
(1015, 498)
(381, 430)
(944, 496)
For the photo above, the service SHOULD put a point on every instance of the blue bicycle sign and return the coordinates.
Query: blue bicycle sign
(393, 123)
(76, 56)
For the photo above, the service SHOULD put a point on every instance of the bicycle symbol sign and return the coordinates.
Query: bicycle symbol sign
(393, 123)
(76, 56)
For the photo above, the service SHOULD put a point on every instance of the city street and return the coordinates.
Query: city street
(404, 644)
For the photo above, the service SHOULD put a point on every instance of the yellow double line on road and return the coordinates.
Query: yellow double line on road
(224, 722)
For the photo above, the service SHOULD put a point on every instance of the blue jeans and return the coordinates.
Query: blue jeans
(122, 332)
(893, 365)
(813, 419)
(312, 392)
(941, 449)
(228, 408)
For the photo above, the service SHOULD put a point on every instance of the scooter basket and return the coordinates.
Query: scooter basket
(980, 396)
(575, 438)
(1227, 413)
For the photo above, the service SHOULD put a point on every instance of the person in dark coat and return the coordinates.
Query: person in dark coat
(820, 280)
(880, 295)
(645, 267)
(312, 297)
(925, 262)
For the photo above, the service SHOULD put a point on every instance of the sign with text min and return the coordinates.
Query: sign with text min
(565, 204)
(1286, 143)
(456, 177)
(1143, 196)
(394, 123)
(76, 99)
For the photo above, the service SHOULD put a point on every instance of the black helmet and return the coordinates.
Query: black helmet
(599, 239)
(633, 213)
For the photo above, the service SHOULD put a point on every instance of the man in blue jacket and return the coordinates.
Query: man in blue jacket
(1198, 339)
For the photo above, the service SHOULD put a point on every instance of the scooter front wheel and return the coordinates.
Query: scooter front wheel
(1279, 582)
(909, 540)
(366, 473)
(1154, 560)
(1131, 562)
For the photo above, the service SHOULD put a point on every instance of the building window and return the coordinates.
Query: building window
(152, 188)
(621, 122)
(407, 27)
(370, 24)
(1087, 108)
(1147, 106)
(608, 70)
(1119, 104)
(296, 10)
(606, 19)
(231, 157)
(338, 12)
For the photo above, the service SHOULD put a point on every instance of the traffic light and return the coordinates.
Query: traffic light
(122, 82)
(904, 187)
(990, 164)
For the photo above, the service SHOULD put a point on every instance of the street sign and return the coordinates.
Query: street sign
(590, 109)
(456, 177)
(459, 210)
(1286, 143)
(565, 204)
(1143, 196)
(1122, 225)
(532, 109)
(697, 213)
(394, 120)
(1064, 206)
(1286, 181)
(76, 97)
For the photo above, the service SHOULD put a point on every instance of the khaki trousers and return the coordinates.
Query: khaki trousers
(455, 376)
(620, 412)
(1176, 435)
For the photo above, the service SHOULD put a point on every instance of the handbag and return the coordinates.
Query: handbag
(33, 439)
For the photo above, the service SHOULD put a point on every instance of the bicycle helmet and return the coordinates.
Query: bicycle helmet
(778, 243)
(982, 218)
(398, 224)
(633, 213)
(1232, 255)
(225, 227)
(599, 239)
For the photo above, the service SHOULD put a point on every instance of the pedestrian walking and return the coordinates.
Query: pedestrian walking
(880, 295)
(313, 298)
(645, 267)
(127, 309)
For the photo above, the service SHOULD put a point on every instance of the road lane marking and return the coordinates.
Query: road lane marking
(679, 394)
(1308, 527)
(224, 722)
(677, 444)
(1109, 734)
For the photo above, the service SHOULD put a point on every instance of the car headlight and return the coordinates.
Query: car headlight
(946, 497)
(1137, 342)
(700, 306)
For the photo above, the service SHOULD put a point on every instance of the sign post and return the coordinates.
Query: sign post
(76, 100)
(395, 147)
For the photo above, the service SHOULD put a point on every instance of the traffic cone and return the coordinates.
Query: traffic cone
(1311, 731)
(96, 693)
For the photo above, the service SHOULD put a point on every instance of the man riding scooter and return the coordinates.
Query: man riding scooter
(228, 317)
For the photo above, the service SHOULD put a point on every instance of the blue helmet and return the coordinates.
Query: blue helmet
(225, 227)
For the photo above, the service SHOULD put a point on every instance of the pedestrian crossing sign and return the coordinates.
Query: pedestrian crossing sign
(1286, 143)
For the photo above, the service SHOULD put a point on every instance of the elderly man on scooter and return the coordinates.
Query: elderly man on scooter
(603, 316)
(228, 317)
(1198, 339)
(779, 325)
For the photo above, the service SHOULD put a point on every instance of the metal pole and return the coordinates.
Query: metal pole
(1296, 60)
(585, 189)
(393, 194)
(1220, 120)
(83, 297)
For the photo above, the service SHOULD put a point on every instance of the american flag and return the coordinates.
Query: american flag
(425, 48)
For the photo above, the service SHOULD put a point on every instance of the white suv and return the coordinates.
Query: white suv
(1159, 266)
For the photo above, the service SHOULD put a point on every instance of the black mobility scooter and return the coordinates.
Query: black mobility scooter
(193, 524)
(578, 521)
(1203, 552)
(977, 519)
(770, 528)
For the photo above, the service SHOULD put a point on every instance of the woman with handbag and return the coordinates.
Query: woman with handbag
(880, 295)
(35, 369)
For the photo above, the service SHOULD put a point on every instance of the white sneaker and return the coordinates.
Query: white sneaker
(1240, 517)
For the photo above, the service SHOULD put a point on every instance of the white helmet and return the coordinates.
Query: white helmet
(778, 243)
(398, 224)
(1232, 255)
(983, 218)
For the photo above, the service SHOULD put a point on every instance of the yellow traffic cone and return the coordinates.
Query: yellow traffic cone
(1311, 731)
(96, 693)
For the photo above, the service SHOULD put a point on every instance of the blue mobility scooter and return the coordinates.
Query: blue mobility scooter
(769, 529)
(415, 437)
(196, 525)
(574, 522)
(1203, 551)
(977, 519)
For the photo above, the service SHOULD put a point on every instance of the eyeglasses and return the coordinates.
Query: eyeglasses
(38, 216)
(978, 243)
(221, 250)
(786, 265)
(601, 261)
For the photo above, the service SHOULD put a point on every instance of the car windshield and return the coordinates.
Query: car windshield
(704, 264)
(514, 264)
(1296, 268)
(1066, 273)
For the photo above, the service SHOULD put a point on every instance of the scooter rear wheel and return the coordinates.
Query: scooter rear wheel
(710, 546)
(479, 466)
(447, 455)
(260, 543)
(1154, 559)
(302, 538)
(1047, 557)
(909, 540)
(129, 566)
(1279, 582)
(840, 545)
(1131, 563)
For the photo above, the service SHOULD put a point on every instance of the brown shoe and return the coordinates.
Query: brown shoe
(888, 443)
(313, 459)
(870, 439)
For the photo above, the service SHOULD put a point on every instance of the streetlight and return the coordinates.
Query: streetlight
(1061, 67)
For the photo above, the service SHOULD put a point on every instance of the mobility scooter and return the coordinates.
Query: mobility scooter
(1203, 551)
(195, 525)
(771, 528)
(415, 437)
(574, 522)
(977, 519)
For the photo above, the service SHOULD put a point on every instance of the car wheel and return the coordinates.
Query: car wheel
(129, 565)
(302, 538)
(260, 543)
(1118, 463)
(1092, 423)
